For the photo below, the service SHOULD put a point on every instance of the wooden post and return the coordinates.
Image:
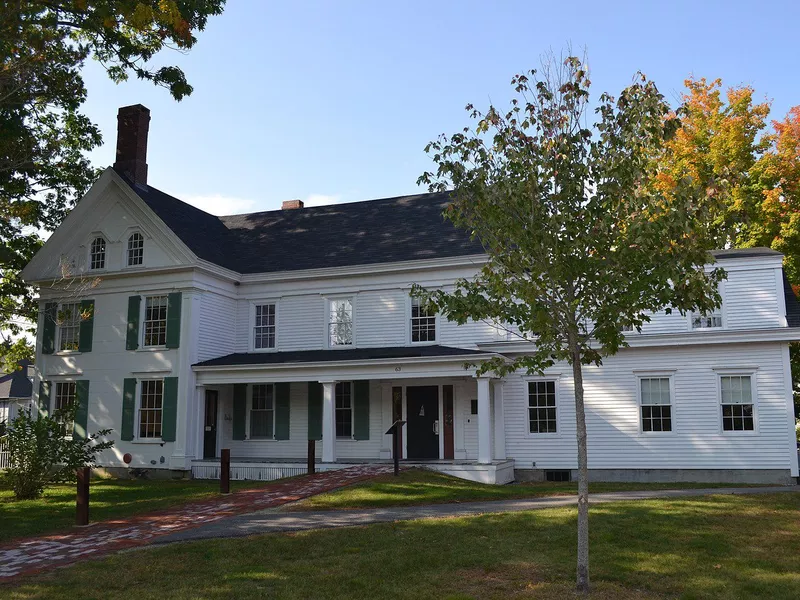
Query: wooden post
(82, 504)
(225, 471)
(311, 457)
(396, 450)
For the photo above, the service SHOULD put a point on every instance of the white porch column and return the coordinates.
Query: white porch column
(484, 422)
(499, 421)
(328, 421)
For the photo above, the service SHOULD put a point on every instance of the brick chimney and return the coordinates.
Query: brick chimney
(133, 124)
(292, 204)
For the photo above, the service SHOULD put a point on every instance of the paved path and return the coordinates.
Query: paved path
(38, 554)
(270, 521)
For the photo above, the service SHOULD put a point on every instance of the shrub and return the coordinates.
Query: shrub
(43, 451)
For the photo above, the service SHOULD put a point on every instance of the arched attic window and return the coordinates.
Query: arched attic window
(97, 254)
(135, 249)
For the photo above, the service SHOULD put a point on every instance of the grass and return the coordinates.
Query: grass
(418, 486)
(707, 547)
(109, 499)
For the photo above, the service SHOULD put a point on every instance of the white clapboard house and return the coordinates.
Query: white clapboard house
(186, 333)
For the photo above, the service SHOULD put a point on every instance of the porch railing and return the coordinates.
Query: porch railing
(249, 472)
(5, 455)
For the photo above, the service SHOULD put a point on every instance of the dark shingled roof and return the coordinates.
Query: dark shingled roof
(792, 304)
(313, 356)
(17, 384)
(744, 253)
(358, 233)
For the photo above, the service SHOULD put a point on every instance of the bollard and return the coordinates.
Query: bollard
(396, 449)
(225, 472)
(82, 504)
(311, 453)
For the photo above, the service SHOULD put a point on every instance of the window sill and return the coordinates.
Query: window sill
(263, 349)
(152, 349)
(260, 439)
(431, 343)
(692, 329)
(152, 442)
(67, 353)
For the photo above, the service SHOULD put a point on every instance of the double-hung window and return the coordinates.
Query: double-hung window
(656, 403)
(151, 402)
(423, 322)
(712, 320)
(264, 327)
(262, 411)
(344, 409)
(69, 326)
(155, 321)
(738, 405)
(97, 254)
(542, 416)
(64, 400)
(340, 322)
(135, 252)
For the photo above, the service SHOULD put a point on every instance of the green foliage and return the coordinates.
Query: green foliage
(580, 242)
(43, 451)
(14, 351)
(44, 137)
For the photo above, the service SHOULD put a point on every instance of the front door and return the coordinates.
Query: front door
(210, 428)
(422, 410)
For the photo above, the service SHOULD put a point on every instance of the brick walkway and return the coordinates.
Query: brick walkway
(23, 557)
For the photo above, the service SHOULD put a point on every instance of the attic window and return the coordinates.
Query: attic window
(97, 254)
(135, 249)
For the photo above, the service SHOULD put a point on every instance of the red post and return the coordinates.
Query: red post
(82, 504)
(311, 457)
(225, 472)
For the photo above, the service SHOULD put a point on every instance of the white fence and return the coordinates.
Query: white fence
(4, 455)
(251, 472)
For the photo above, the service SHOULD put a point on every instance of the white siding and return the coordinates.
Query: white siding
(381, 318)
(301, 322)
(217, 336)
(696, 442)
(751, 300)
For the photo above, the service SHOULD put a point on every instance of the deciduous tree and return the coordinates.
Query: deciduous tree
(580, 240)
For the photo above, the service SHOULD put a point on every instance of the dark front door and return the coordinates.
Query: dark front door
(422, 409)
(210, 429)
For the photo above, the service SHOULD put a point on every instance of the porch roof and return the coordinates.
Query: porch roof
(338, 355)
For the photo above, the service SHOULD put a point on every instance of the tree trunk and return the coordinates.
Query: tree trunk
(583, 475)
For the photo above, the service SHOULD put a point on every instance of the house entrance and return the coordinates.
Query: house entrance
(422, 417)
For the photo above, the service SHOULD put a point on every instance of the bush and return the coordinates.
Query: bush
(42, 451)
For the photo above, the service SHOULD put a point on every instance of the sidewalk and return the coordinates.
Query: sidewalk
(38, 554)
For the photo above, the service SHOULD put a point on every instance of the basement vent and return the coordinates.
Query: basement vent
(556, 475)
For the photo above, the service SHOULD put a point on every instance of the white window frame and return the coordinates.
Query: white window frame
(142, 328)
(655, 375)
(248, 435)
(535, 379)
(59, 327)
(138, 420)
(126, 249)
(352, 412)
(720, 311)
(738, 372)
(328, 301)
(89, 261)
(410, 321)
(253, 305)
(54, 401)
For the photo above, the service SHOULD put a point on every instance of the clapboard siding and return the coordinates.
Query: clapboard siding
(380, 318)
(612, 414)
(751, 299)
(217, 336)
(301, 322)
(296, 447)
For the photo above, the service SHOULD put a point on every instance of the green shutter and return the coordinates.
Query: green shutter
(361, 409)
(282, 404)
(174, 320)
(128, 409)
(132, 339)
(49, 330)
(82, 411)
(169, 409)
(87, 326)
(44, 397)
(239, 410)
(314, 410)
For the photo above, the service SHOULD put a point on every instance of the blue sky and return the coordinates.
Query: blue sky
(335, 101)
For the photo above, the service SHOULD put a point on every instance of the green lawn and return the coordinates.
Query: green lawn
(109, 499)
(708, 547)
(418, 486)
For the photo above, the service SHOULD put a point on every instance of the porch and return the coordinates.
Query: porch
(266, 407)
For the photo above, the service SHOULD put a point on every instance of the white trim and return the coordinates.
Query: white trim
(126, 241)
(409, 326)
(528, 379)
(733, 372)
(779, 292)
(327, 307)
(137, 439)
(247, 436)
(668, 375)
(720, 310)
(351, 437)
(142, 313)
(252, 322)
(93, 236)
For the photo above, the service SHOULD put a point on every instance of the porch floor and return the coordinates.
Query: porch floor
(267, 469)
